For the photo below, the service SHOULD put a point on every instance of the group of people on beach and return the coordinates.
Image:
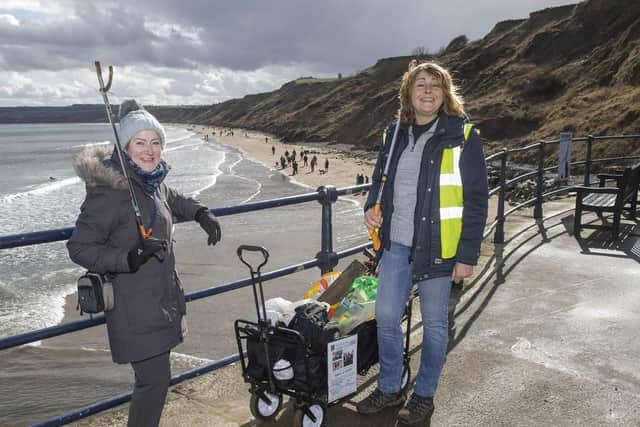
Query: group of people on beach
(427, 205)
(291, 159)
(361, 178)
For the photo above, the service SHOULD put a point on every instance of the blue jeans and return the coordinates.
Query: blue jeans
(394, 285)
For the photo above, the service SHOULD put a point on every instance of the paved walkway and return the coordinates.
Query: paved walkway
(546, 335)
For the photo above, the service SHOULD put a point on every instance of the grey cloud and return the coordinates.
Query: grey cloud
(247, 37)
(335, 34)
(329, 36)
(110, 32)
(207, 51)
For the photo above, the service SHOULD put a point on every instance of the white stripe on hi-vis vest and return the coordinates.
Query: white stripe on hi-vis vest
(456, 160)
(450, 179)
(454, 178)
(450, 213)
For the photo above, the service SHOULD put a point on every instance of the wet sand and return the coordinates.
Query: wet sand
(344, 162)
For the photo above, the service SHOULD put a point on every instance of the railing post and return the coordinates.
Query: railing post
(327, 258)
(499, 234)
(537, 211)
(587, 163)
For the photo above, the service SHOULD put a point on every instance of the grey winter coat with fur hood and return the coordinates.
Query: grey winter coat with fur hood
(149, 304)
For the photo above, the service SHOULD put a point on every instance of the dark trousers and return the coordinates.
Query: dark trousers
(152, 382)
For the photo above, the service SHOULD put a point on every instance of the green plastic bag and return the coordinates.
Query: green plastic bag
(365, 288)
(358, 305)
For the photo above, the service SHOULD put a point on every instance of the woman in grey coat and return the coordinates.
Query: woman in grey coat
(149, 305)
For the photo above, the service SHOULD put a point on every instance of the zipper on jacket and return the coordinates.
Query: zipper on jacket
(419, 208)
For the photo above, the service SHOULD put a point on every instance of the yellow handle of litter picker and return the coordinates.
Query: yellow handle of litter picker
(374, 234)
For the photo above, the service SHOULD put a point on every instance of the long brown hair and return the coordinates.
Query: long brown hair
(452, 103)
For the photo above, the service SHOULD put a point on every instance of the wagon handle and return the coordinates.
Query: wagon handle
(250, 248)
(256, 279)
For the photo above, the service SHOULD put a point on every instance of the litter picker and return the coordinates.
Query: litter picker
(375, 233)
(144, 233)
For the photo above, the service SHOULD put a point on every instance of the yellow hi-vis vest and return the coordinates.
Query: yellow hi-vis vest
(451, 200)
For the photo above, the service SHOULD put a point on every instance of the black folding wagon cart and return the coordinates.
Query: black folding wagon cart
(278, 360)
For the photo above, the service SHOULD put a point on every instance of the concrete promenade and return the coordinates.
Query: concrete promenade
(545, 335)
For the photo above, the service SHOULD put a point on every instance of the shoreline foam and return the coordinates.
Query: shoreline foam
(344, 163)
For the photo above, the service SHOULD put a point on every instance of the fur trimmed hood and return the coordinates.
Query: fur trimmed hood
(94, 166)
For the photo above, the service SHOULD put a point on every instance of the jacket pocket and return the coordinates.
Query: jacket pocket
(147, 313)
(436, 245)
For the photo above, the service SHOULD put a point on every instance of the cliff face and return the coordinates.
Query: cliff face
(574, 67)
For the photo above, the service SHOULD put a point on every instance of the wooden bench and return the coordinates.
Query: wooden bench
(608, 199)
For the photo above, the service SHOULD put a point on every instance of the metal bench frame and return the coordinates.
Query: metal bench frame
(608, 199)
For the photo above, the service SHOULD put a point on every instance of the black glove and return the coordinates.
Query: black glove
(209, 224)
(150, 247)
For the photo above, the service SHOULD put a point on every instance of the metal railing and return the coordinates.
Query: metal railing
(541, 149)
(326, 259)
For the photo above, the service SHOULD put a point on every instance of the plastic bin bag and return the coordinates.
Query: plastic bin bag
(358, 305)
(280, 310)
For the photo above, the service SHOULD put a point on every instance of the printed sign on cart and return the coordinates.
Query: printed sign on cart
(342, 362)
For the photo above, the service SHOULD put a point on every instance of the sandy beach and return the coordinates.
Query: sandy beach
(344, 162)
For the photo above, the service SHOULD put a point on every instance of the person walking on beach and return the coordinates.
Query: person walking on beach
(147, 319)
(434, 207)
(359, 181)
(314, 162)
(326, 165)
(273, 150)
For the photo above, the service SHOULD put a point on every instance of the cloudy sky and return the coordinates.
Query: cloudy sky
(206, 51)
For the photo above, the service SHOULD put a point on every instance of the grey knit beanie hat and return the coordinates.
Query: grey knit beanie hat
(133, 119)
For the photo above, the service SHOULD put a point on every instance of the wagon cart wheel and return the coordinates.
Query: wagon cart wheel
(265, 405)
(313, 415)
(406, 377)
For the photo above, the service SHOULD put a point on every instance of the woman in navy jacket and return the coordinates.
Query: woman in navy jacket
(434, 207)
